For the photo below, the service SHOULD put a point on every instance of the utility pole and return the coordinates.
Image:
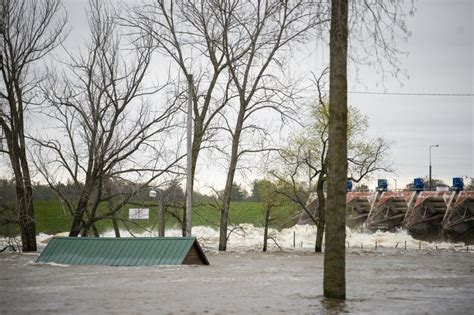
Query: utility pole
(431, 146)
(189, 184)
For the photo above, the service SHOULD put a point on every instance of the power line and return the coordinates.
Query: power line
(413, 94)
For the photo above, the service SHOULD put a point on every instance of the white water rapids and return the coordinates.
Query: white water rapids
(246, 237)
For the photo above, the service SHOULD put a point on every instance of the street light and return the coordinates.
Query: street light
(395, 180)
(431, 146)
(189, 152)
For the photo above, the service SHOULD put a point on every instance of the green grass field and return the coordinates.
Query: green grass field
(51, 218)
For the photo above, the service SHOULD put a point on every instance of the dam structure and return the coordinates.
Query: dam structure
(428, 215)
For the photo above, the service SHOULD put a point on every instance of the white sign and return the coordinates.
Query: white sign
(138, 213)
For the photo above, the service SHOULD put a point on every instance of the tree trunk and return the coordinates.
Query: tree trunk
(265, 231)
(94, 230)
(77, 222)
(108, 187)
(27, 220)
(23, 42)
(230, 179)
(85, 231)
(334, 255)
(183, 222)
(23, 187)
(87, 227)
(319, 235)
(161, 218)
(321, 213)
(29, 229)
(116, 227)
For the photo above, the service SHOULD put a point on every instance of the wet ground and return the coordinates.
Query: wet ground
(383, 281)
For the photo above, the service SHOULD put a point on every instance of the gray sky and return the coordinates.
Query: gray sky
(440, 60)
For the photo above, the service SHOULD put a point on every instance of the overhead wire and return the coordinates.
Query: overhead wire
(412, 94)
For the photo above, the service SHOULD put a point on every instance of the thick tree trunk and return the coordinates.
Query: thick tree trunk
(265, 231)
(92, 210)
(23, 187)
(78, 214)
(334, 255)
(78, 222)
(29, 229)
(26, 219)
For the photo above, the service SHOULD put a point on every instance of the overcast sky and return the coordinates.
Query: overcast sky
(440, 60)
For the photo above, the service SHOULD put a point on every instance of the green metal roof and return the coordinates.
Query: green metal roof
(124, 251)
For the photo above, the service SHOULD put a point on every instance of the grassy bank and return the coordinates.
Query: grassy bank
(52, 218)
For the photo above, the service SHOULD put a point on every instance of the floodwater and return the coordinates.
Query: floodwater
(386, 280)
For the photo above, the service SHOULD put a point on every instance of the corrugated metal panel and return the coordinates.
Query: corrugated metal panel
(137, 251)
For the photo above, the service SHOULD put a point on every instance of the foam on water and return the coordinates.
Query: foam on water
(248, 237)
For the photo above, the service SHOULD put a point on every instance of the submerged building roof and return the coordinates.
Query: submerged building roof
(124, 251)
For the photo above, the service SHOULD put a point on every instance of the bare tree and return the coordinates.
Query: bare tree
(29, 30)
(109, 131)
(190, 33)
(257, 36)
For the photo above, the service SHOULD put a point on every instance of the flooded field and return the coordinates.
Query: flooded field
(387, 280)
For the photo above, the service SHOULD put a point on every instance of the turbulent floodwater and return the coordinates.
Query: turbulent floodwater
(384, 281)
(423, 278)
(246, 237)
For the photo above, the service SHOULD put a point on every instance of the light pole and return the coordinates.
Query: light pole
(189, 134)
(431, 146)
(395, 180)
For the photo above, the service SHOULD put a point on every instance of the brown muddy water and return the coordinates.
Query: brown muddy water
(384, 281)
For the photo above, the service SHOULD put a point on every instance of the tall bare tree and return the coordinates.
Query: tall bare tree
(190, 34)
(258, 35)
(29, 30)
(108, 129)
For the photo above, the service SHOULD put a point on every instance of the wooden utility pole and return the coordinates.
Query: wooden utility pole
(189, 177)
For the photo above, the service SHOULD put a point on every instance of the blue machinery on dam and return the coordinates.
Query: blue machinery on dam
(425, 214)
